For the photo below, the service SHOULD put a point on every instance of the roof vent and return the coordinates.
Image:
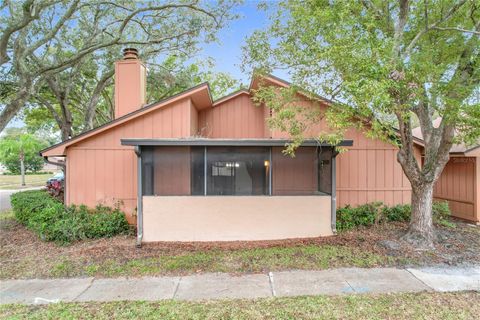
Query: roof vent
(130, 54)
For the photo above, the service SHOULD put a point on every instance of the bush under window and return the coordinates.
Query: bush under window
(53, 221)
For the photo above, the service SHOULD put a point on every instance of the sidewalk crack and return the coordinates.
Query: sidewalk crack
(351, 287)
(413, 275)
(176, 287)
(84, 290)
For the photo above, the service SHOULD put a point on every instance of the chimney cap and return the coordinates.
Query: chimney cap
(130, 54)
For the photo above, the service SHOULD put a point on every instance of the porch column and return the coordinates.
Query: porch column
(334, 192)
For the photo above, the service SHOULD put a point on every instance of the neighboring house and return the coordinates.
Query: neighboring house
(459, 183)
(191, 169)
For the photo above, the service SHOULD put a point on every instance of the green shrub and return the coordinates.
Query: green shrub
(25, 203)
(364, 215)
(52, 221)
(372, 213)
(441, 214)
(397, 213)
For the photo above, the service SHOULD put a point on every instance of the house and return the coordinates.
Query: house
(459, 183)
(191, 169)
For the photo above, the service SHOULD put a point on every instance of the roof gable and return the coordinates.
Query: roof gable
(200, 95)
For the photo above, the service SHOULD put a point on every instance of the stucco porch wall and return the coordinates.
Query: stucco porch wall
(230, 218)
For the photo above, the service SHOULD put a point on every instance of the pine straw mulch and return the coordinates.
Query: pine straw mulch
(24, 255)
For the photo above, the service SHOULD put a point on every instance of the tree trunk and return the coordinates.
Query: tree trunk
(22, 168)
(11, 109)
(66, 130)
(421, 232)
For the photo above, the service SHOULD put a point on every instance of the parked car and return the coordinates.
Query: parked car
(57, 177)
(55, 185)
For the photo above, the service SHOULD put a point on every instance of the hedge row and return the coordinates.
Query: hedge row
(52, 221)
(377, 212)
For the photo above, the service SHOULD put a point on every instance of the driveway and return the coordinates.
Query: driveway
(5, 197)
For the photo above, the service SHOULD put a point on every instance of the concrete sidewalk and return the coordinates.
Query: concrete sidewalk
(223, 286)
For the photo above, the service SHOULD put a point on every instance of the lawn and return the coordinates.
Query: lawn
(459, 305)
(31, 180)
(24, 255)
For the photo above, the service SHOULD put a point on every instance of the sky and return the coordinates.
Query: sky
(228, 53)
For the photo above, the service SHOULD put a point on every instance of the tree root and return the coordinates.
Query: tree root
(419, 240)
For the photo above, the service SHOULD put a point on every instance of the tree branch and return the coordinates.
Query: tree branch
(456, 29)
(31, 12)
(449, 14)
(92, 103)
(55, 29)
(400, 26)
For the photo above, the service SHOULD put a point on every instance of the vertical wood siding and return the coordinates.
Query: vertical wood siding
(457, 184)
(235, 118)
(369, 171)
(102, 171)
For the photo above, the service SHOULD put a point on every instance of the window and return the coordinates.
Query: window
(237, 170)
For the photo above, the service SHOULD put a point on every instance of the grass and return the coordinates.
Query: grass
(31, 180)
(6, 215)
(459, 305)
(26, 256)
(236, 261)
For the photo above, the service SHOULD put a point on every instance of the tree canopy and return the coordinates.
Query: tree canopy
(386, 66)
(44, 42)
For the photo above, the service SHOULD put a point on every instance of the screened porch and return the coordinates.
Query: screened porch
(224, 190)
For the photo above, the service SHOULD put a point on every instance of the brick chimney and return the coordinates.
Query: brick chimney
(130, 83)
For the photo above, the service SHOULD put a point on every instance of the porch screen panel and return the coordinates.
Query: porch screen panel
(237, 170)
(325, 170)
(166, 171)
(147, 171)
(198, 170)
(307, 173)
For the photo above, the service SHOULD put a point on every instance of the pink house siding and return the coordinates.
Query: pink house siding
(102, 171)
(234, 118)
(369, 172)
(458, 184)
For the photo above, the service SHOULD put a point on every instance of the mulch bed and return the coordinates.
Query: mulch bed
(460, 245)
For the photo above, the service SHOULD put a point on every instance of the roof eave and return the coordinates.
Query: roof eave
(227, 142)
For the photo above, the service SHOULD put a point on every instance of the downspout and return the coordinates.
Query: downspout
(333, 204)
(64, 169)
(139, 197)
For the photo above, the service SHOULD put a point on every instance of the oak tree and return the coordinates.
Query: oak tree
(41, 38)
(386, 66)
